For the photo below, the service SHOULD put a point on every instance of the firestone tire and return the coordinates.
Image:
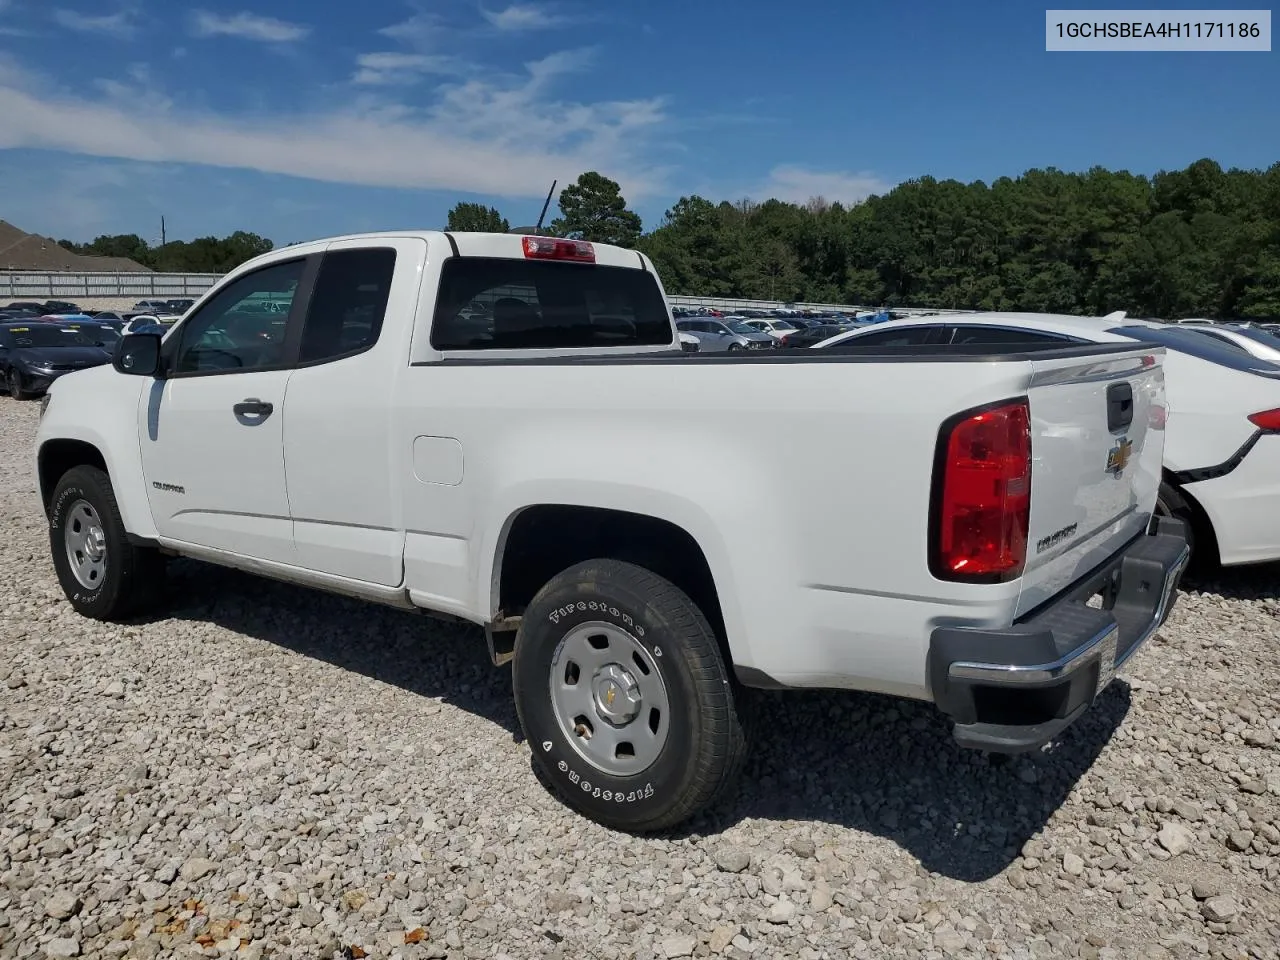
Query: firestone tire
(638, 622)
(83, 512)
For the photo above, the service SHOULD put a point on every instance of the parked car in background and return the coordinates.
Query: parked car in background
(1222, 452)
(27, 307)
(34, 355)
(136, 322)
(179, 306)
(65, 318)
(812, 335)
(61, 307)
(778, 329)
(150, 306)
(109, 317)
(717, 335)
(1262, 344)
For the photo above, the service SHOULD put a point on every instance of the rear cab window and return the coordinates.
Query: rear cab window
(491, 303)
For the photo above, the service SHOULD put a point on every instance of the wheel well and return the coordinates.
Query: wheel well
(58, 456)
(543, 540)
(1206, 539)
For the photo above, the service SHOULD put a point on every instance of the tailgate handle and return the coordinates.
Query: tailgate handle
(1119, 406)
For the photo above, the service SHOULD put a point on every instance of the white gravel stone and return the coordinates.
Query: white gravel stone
(1176, 838)
(1221, 909)
(62, 905)
(324, 774)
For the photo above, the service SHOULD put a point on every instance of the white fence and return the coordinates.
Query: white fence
(29, 285)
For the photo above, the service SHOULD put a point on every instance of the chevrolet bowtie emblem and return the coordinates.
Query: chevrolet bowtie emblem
(608, 697)
(1118, 457)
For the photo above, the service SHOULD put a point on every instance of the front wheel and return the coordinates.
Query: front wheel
(16, 389)
(103, 575)
(734, 346)
(624, 697)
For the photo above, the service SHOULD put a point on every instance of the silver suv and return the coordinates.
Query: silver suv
(716, 335)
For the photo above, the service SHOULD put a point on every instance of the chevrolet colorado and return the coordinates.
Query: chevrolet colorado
(503, 429)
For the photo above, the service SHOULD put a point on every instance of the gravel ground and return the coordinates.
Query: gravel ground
(268, 771)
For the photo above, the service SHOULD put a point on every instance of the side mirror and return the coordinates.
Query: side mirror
(138, 354)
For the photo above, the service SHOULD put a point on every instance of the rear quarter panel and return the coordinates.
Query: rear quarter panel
(829, 588)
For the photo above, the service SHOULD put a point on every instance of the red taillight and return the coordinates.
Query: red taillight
(553, 248)
(1268, 420)
(1157, 416)
(983, 506)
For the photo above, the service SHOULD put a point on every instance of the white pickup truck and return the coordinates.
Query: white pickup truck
(503, 429)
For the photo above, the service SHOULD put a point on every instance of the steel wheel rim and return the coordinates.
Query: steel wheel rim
(86, 544)
(609, 699)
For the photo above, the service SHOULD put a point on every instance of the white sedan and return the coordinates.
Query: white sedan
(1222, 446)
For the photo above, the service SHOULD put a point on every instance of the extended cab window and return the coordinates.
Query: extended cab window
(349, 303)
(546, 305)
(243, 327)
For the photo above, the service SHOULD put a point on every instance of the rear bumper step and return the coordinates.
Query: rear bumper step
(1013, 690)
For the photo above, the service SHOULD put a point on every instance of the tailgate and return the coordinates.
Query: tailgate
(1097, 444)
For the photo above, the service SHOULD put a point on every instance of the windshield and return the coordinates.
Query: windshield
(785, 325)
(741, 326)
(1193, 343)
(49, 335)
(1264, 337)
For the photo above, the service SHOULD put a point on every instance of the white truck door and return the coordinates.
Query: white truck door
(211, 431)
(346, 480)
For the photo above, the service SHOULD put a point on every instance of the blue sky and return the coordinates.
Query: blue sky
(297, 119)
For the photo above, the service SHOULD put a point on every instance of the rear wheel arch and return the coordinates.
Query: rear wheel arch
(541, 540)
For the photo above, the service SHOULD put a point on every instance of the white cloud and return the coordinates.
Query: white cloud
(119, 24)
(419, 30)
(521, 17)
(499, 137)
(797, 184)
(247, 26)
(382, 69)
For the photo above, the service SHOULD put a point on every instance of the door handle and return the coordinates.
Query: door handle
(253, 407)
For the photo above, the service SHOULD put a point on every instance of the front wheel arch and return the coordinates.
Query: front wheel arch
(58, 456)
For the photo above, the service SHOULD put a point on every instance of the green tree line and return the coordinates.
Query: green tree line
(1195, 242)
(203, 255)
(1203, 241)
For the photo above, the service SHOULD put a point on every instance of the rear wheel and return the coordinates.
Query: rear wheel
(103, 575)
(625, 698)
